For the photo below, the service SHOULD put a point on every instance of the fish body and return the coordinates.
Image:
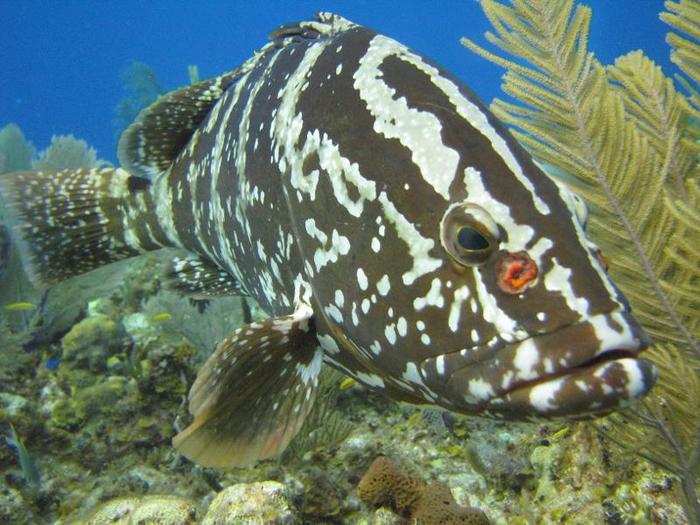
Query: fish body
(381, 216)
(30, 471)
(20, 306)
(161, 317)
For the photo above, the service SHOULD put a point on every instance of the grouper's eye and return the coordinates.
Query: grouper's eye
(470, 239)
(468, 233)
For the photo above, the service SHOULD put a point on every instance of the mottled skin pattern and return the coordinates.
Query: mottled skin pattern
(291, 186)
(321, 177)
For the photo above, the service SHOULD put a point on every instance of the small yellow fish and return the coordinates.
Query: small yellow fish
(347, 383)
(559, 434)
(162, 317)
(21, 306)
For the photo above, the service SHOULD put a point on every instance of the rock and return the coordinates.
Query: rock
(15, 363)
(99, 399)
(95, 401)
(139, 327)
(66, 301)
(501, 457)
(358, 449)
(90, 342)
(321, 499)
(164, 510)
(13, 509)
(103, 306)
(260, 502)
(384, 516)
(116, 511)
(12, 404)
(155, 510)
(143, 478)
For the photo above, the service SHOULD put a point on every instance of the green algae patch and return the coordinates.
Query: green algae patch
(105, 399)
(90, 343)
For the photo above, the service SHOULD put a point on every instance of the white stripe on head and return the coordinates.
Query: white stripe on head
(473, 115)
(419, 131)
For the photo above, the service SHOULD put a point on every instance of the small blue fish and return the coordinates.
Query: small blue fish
(52, 363)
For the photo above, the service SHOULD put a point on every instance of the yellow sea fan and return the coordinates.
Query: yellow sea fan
(659, 112)
(571, 116)
(671, 413)
(684, 16)
(627, 141)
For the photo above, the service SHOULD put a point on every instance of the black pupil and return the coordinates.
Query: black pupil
(470, 239)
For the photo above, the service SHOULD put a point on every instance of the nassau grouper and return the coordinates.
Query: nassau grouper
(382, 217)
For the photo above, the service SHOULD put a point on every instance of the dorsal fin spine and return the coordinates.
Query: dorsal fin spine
(148, 147)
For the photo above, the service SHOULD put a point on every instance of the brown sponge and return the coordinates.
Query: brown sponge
(386, 485)
(438, 506)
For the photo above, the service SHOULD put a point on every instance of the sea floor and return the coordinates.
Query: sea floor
(96, 398)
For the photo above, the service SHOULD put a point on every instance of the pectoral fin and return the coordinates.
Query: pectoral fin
(199, 278)
(252, 395)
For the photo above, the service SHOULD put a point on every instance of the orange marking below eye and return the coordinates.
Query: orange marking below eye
(514, 271)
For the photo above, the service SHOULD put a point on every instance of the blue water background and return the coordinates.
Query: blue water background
(61, 60)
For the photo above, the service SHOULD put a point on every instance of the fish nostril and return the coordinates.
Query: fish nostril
(515, 271)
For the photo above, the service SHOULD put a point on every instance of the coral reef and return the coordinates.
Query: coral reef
(263, 502)
(155, 510)
(385, 484)
(15, 151)
(100, 428)
(67, 152)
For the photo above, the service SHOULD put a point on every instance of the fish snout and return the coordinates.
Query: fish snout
(588, 367)
(597, 388)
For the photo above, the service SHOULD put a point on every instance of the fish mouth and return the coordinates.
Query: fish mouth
(600, 385)
(589, 367)
(593, 363)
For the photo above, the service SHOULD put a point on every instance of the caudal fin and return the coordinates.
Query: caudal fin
(69, 222)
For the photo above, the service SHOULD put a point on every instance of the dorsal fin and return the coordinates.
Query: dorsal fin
(152, 142)
(325, 24)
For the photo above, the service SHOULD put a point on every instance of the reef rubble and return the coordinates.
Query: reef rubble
(97, 405)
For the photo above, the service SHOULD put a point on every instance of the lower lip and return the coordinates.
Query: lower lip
(598, 386)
